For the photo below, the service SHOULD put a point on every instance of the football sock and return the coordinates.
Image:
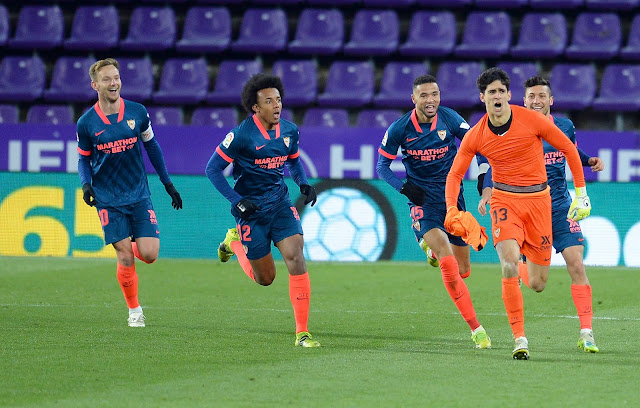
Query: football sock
(458, 290)
(136, 253)
(299, 293)
(236, 246)
(523, 272)
(514, 305)
(128, 279)
(582, 299)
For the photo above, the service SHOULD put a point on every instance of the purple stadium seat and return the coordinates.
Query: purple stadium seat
(70, 81)
(350, 84)
(595, 36)
(385, 3)
(397, 84)
(232, 76)
(50, 114)
(21, 79)
(275, 2)
(206, 29)
(333, 3)
(39, 27)
(4, 25)
(617, 5)
(438, 26)
(224, 118)
(319, 32)
(574, 86)
(94, 28)
(165, 115)
(300, 80)
(262, 31)
(381, 118)
(374, 32)
(220, 1)
(8, 114)
(183, 81)
(457, 82)
(501, 4)
(619, 89)
(542, 35)
(518, 72)
(556, 4)
(632, 50)
(475, 117)
(444, 3)
(137, 78)
(286, 114)
(326, 117)
(486, 35)
(150, 29)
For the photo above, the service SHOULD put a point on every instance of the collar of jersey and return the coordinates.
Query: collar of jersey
(414, 120)
(104, 117)
(263, 130)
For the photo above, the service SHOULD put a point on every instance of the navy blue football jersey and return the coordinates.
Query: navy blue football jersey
(258, 156)
(114, 144)
(428, 149)
(555, 163)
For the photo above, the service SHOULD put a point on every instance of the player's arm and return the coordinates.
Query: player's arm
(299, 176)
(388, 150)
(85, 148)
(581, 205)
(458, 169)
(156, 158)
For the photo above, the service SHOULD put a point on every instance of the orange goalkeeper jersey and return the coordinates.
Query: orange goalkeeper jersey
(516, 157)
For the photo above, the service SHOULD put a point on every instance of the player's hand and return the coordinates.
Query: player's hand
(310, 192)
(246, 208)
(596, 164)
(581, 205)
(88, 194)
(415, 194)
(484, 200)
(176, 200)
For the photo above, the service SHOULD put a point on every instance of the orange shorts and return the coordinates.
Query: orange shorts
(525, 217)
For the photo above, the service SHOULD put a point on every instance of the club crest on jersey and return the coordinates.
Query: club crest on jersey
(131, 123)
(227, 140)
(286, 140)
(416, 225)
(442, 134)
(497, 232)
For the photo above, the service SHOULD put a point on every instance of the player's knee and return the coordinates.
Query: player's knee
(537, 285)
(149, 258)
(263, 281)
(510, 269)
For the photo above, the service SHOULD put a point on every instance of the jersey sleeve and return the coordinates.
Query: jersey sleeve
(461, 163)
(556, 138)
(228, 149)
(390, 142)
(294, 145)
(146, 131)
(456, 123)
(85, 146)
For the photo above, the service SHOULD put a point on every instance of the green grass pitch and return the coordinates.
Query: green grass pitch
(391, 337)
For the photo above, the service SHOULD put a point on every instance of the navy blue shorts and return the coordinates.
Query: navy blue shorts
(566, 232)
(281, 221)
(431, 215)
(134, 220)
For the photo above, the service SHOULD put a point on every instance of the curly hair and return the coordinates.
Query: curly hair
(537, 80)
(257, 83)
(491, 75)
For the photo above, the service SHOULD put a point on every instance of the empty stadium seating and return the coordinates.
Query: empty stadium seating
(574, 86)
(183, 81)
(375, 32)
(50, 114)
(300, 81)
(165, 115)
(350, 84)
(39, 27)
(438, 26)
(8, 114)
(377, 118)
(619, 89)
(206, 29)
(232, 76)
(542, 35)
(94, 28)
(262, 31)
(319, 32)
(21, 79)
(595, 36)
(225, 118)
(486, 35)
(70, 81)
(150, 29)
(326, 117)
(397, 84)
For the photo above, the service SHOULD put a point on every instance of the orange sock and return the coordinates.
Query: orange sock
(128, 279)
(300, 294)
(237, 248)
(523, 272)
(136, 253)
(582, 299)
(458, 290)
(514, 305)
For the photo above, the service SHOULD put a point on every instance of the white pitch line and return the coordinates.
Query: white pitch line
(387, 312)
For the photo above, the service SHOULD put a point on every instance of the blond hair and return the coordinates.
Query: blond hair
(95, 67)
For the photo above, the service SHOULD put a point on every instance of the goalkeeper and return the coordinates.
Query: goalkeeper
(510, 137)
(567, 235)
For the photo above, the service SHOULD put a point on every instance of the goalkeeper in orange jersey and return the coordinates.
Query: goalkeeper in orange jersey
(510, 137)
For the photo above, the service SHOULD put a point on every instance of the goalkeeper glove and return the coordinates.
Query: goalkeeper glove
(414, 193)
(88, 194)
(310, 192)
(581, 205)
(246, 208)
(176, 200)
